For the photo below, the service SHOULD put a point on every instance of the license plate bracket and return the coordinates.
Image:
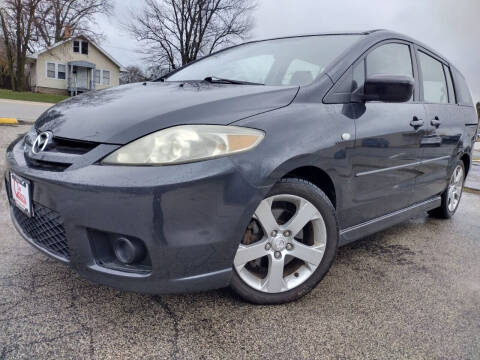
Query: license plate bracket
(20, 189)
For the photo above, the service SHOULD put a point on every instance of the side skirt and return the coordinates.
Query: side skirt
(370, 227)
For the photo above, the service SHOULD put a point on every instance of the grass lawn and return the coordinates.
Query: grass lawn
(30, 96)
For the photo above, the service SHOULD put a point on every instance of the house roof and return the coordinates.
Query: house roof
(99, 48)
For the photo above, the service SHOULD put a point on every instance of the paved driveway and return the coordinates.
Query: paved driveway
(22, 110)
(412, 291)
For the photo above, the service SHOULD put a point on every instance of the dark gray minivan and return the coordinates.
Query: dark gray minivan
(247, 168)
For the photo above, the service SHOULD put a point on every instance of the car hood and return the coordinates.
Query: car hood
(125, 113)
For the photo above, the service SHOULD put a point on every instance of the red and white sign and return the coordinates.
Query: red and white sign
(21, 193)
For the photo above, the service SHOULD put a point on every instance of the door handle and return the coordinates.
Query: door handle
(436, 122)
(416, 123)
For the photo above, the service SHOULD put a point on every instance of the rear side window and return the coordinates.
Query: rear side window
(434, 82)
(463, 93)
(390, 59)
(451, 91)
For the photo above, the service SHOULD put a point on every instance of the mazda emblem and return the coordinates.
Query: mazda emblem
(41, 142)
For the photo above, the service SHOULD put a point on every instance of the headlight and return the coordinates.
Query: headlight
(186, 143)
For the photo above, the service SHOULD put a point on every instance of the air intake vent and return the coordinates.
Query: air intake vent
(45, 229)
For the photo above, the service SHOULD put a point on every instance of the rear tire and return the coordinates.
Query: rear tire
(283, 257)
(452, 195)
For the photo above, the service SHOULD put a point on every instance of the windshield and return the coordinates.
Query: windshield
(282, 62)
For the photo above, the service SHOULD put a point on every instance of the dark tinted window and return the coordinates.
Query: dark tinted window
(434, 82)
(85, 47)
(463, 93)
(390, 59)
(62, 71)
(451, 91)
(76, 46)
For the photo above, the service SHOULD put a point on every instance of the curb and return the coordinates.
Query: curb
(471, 190)
(8, 121)
(26, 122)
(17, 122)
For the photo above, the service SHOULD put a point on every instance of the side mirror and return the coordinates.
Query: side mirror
(388, 88)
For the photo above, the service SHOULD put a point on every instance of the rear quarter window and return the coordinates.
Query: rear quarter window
(464, 96)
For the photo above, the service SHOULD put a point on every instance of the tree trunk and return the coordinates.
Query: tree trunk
(20, 75)
(20, 70)
(11, 72)
(10, 57)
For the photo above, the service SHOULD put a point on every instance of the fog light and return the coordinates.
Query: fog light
(128, 251)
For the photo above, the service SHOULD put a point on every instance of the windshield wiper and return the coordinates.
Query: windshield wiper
(217, 80)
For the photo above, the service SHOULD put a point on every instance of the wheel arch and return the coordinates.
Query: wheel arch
(318, 177)
(466, 162)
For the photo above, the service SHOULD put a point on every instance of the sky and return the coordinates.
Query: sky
(451, 27)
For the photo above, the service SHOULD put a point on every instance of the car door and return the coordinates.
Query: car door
(443, 125)
(388, 137)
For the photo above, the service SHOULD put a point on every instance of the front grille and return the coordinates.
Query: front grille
(45, 229)
(63, 145)
(70, 146)
(59, 155)
(47, 165)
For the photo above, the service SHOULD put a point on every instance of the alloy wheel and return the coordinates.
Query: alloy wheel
(283, 245)
(455, 188)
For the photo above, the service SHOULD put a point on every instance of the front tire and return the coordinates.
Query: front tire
(289, 245)
(452, 195)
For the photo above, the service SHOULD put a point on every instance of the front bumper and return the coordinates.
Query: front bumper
(190, 218)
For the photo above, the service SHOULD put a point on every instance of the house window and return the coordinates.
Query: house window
(84, 47)
(106, 77)
(51, 70)
(62, 72)
(76, 46)
(97, 76)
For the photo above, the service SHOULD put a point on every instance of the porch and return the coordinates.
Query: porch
(80, 77)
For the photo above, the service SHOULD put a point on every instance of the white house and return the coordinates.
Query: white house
(73, 66)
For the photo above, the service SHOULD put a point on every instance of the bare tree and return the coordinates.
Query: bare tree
(57, 20)
(17, 25)
(4, 75)
(155, 71)
(132, 74)
(176, 32)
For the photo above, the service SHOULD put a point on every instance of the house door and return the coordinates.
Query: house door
(82, 78)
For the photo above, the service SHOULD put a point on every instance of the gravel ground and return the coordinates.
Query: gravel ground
(412, 291)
